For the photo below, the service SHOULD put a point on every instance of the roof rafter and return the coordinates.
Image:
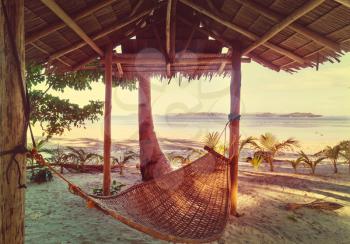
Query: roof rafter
(226, 43)
(33, 36)
(243, 31)
(102, 33)
(344, 2)
(307, 7)
(270, 14)
(51, 4)
(93, 57)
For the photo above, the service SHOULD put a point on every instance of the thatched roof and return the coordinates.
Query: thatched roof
(173, 36)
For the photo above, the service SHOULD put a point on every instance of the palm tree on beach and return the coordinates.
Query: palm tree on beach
(332, 153)
(345, 151)
(309, 161)
(268, 146)
(80, 156)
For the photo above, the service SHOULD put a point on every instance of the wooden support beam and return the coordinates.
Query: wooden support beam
(346, 3)
(242, 31)
(102, 33)
(136, 8)
(307, 7)
(33, 36)
(234, 117)
(114, 44)
(180, 59)
(227, 44)
(170, 34)
(12, 122)
(51, 4)
(107, 122)
(188, 42)
(268, 13)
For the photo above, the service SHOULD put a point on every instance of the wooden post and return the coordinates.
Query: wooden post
(107, 122)
(235, 92)
(11, 122)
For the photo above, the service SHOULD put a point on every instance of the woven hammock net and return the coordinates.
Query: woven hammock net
(190, 204)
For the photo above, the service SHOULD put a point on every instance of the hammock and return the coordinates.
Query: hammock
(189, 205)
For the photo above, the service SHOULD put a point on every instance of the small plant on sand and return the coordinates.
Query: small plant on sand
(256, 162)
(41, 147)
(345, 151)
(268, 147)
(310, 161)
(192, 153)
(81, 157)
(41, 175)
(332, 153)
(122, 159)
(115, 189)
(211, 140)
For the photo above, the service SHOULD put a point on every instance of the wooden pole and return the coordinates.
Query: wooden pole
(11, 122)
(235, 93)
(107, 122)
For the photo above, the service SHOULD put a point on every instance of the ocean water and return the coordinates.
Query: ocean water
(313, 133)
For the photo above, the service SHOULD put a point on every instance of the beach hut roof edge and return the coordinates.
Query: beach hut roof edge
(186, 37)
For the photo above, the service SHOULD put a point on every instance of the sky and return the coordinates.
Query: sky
(325, 92)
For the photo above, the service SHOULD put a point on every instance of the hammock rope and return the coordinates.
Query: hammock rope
(190, 204)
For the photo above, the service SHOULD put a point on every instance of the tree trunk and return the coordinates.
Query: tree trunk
(235, 94)
(153, 162)
(313, 169)
(335, 167)
(11, 124)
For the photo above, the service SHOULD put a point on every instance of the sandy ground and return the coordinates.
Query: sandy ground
(53, 215)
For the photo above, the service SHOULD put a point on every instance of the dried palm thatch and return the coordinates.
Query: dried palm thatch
(281, 35)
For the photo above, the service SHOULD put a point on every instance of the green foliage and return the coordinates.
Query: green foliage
(345, 151)
(56, 115)
(256, 161)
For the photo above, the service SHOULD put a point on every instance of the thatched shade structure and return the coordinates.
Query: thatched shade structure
(185, 37)
(163, 38)
(281, 35)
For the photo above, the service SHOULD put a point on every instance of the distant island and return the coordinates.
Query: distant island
(212, 115)
(290, 115)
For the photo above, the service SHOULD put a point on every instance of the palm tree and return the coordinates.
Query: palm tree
(122, 160)
(250, 140)
(309, 161)
(212, 140)
(268, 147)
(80, 156)
(333, 153)
(345, 151)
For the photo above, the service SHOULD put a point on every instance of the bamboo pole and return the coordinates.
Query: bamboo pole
(235, 93)
(107, 122)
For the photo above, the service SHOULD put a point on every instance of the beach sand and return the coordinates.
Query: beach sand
(53, 215)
